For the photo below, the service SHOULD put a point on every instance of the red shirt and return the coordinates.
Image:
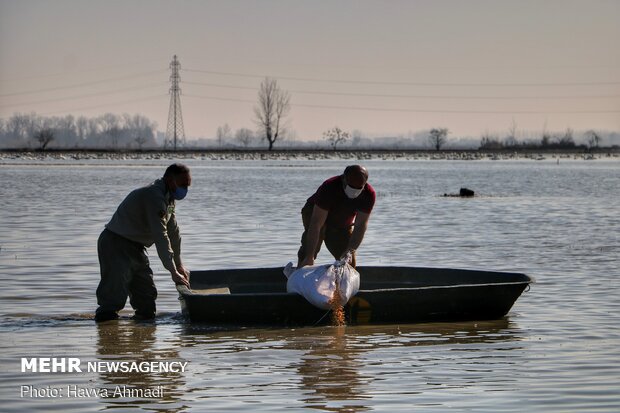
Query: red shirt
(342, 209)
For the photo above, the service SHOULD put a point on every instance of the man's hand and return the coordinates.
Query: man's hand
(348, 256)
(306, 261)
(179, 278)
(183, 271)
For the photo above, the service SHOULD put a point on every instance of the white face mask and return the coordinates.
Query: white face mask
(352, 192)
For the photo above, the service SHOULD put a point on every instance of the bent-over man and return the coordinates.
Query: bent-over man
(145, 217)
(337, 213)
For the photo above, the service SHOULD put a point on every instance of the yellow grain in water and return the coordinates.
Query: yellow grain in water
(335, 304)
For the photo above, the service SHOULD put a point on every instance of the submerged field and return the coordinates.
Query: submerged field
(556, 351)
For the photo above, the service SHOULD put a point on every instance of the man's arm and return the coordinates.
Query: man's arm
(155, 216)
(319, 216)
(361, 224)
(175, 242)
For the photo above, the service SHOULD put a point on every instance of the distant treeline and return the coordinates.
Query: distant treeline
(566, 140)
(137, 132)
(109, 131)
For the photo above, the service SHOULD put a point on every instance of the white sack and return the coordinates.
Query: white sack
(317, 283)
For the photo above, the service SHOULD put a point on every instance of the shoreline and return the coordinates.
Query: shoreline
(308, 154)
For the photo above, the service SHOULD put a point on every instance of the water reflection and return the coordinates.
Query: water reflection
(464, 332)
(338, 369)
(138, 342)
(330, 372)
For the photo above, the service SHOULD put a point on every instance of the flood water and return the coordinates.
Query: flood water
(558, 350)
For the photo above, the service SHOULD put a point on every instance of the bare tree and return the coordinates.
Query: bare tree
(489, 141)
(81, 126)
(44, 137)
(93, 127)
(23, 126)
(567, 140)
(545, 140)
(138, 129)
(35, 123)
(357, 137)
(593, 138)
(335, 136)
(140, 140)
(114, 133)
(438, 137)
(273, 106)
(223, 134)
(16, 126)
(511, 138)
(244, 136)
(111, 127)
(65, 131)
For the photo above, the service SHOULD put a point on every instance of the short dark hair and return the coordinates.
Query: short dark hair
(176, 169)
(356, 170)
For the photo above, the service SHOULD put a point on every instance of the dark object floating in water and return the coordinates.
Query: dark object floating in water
(463, 192)
(258, 296)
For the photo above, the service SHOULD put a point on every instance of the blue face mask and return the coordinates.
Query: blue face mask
(179, 193)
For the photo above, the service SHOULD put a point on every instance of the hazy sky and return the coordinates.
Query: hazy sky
(381, 67)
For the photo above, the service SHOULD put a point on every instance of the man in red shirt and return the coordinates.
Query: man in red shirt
(338, 214)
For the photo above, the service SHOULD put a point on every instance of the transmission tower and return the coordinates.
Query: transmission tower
(175, 134)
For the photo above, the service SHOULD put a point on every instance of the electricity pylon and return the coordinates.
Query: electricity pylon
(175, 134)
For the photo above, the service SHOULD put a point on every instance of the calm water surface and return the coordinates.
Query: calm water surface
(558, 349)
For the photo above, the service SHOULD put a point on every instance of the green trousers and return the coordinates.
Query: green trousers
(125, 272)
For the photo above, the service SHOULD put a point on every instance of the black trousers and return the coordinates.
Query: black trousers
(125, 272)
(336, 239)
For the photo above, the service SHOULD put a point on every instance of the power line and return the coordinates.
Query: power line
(159, 96)
(376, 109)
(376, 82)
(30, 92)
(219, 98)
(516, 112)
(110, 92)
(99, 68)
(418, 66)
(309, 92)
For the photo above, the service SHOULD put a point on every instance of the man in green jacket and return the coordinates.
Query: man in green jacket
(145, 217)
